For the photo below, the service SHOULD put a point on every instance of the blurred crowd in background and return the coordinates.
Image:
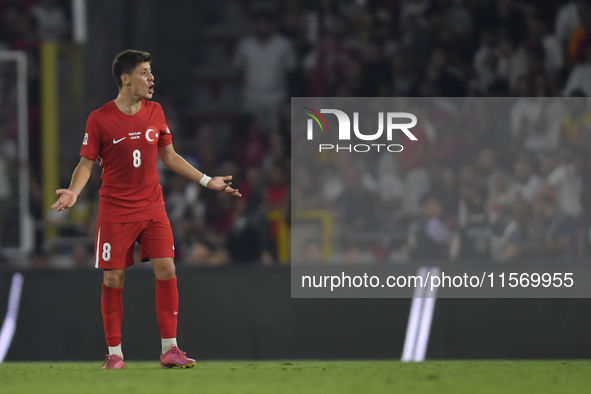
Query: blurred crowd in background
(494, 179)
(462, 196)
(24, 24)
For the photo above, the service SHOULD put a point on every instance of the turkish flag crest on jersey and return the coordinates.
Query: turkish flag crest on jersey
(152, 135)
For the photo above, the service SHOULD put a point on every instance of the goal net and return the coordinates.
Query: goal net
(16, 230)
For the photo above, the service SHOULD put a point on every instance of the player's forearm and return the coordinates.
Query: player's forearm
(80, 178)
(179, 165)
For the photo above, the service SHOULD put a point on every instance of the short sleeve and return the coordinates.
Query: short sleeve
(91, 144)
(165, 135)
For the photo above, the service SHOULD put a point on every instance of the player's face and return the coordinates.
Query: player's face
(142, 81)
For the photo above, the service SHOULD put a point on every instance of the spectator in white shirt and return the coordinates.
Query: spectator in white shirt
(565, 180)
(554, 56)
(580, 78)
(512, 62)
(486, 61)
(567, 20)
(525, 184)
(52, 24)
(265, 58)
(538, 123)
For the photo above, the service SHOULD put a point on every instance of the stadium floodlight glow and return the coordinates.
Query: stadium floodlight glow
(420, 317)
(9, 325)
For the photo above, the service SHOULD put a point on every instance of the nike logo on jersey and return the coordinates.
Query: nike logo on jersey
(118, 141)
(176, 312)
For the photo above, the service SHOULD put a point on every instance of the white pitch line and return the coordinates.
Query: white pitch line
(426, 319)
(414, 318)
(9, 325)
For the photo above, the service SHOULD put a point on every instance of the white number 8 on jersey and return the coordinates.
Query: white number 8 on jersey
(137, 158)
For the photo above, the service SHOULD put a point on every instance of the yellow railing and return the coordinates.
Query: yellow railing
(327, 224)
(284, 231)
(49, 126)
(277, 218)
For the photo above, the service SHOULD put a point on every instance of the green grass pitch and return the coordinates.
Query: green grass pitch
(433, 377)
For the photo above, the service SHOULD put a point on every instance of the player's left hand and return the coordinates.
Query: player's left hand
(219, 184)
(67, 199)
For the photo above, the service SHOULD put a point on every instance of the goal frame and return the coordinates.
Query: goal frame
(26, 223)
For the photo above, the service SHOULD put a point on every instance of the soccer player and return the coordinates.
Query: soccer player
(127, 135)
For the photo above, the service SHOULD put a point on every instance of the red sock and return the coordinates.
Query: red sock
(167, 306)
(112, 309)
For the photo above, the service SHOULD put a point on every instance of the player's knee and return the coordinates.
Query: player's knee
(165, 271)
(114, 278)
(168, 272)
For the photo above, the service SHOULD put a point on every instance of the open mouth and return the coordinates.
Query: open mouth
(151, 89)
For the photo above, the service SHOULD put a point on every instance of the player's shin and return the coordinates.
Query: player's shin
(167, 309)
(112, 311)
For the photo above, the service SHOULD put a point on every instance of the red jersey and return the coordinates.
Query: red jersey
(127, 149)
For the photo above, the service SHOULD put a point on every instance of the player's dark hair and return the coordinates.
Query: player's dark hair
(126, 62)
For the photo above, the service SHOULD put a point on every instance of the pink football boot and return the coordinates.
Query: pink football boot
(113, 361)
(175, 358)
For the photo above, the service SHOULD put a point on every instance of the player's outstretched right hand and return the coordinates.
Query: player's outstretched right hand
(67, 199)
(219, 184)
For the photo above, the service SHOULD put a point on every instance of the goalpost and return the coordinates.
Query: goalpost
(16, 226)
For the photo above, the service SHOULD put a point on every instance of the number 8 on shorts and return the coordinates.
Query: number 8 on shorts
(106, 251)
